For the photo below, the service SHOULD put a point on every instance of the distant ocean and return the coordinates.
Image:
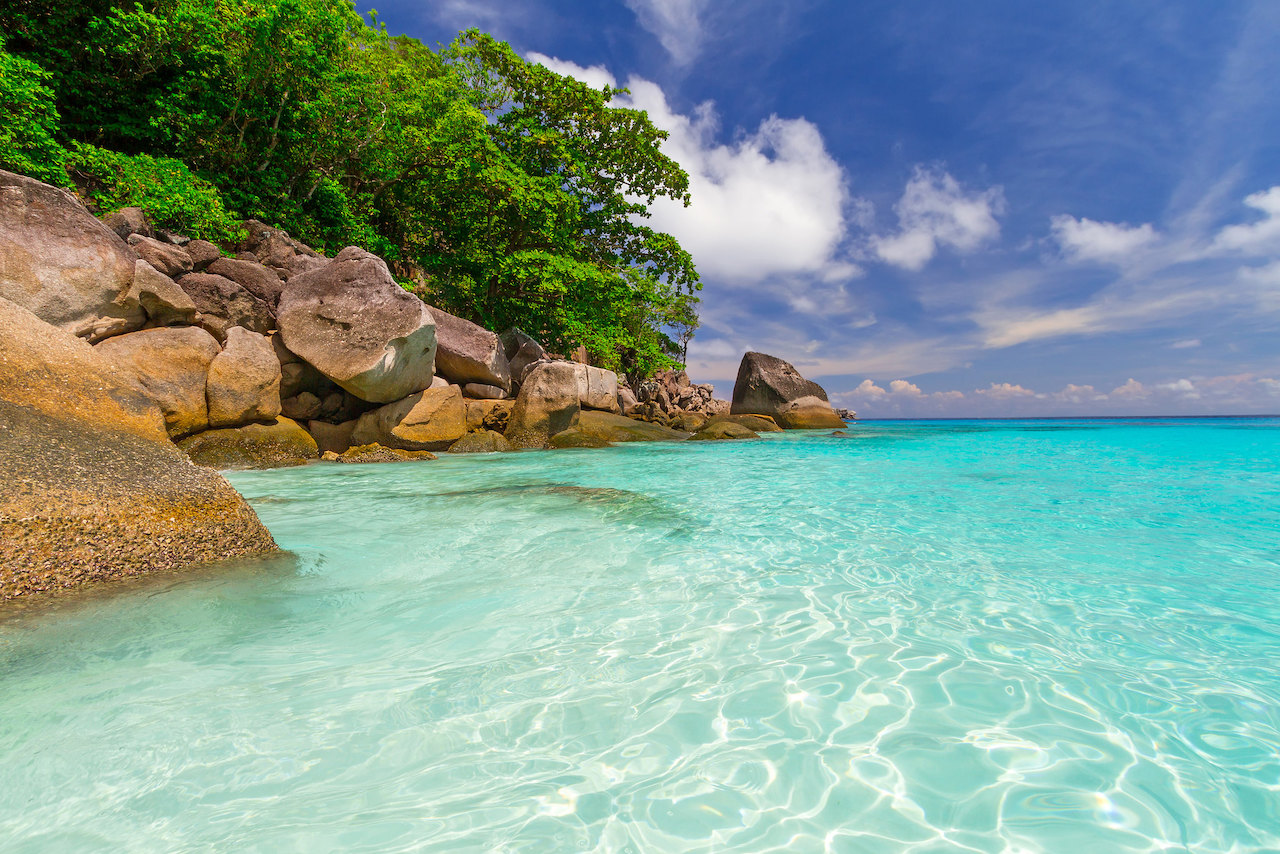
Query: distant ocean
(959, 636)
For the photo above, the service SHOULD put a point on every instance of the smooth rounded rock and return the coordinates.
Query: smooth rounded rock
(171, 365)
(352, 322)
(724, 430)
(469, 354)
(618, 428)
(767, 385)
(547, 404)
(430, 420)
(244, 381)
(481, 442)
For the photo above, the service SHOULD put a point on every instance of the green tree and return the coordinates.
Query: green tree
(27, 133)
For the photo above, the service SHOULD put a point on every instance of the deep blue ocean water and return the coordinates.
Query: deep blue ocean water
(982, 636)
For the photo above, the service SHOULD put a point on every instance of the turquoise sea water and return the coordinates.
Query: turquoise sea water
(1057, 636)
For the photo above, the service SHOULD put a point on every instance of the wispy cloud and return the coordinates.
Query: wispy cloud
(677, 24)
(1086, 240)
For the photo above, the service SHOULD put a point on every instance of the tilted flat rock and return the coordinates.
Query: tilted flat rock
(244, 381)
(171, 260)
(547, 404)
(263, 282)
(280, 443)
(165, 303)
(93, 489)
(767, 385)
(62, 264)
(359, 328)
(430, 420)
(171, 365)
(468, 353)
(576, 438)
(224, 304)
(619, 428)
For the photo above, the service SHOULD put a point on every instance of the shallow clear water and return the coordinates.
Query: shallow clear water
(928, 637)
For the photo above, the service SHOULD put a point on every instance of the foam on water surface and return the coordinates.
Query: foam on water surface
(925, 637)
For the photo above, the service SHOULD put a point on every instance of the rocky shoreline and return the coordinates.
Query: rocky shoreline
(134, 363)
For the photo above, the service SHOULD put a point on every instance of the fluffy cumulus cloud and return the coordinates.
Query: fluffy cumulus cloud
(677, 24)
(770, 204)
(1086, 240)
(1004, 391)
(935, 212)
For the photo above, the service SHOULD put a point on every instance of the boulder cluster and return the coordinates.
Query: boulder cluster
(267, 353)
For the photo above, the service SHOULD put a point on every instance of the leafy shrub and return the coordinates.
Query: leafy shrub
(172, 195)
(28, 121)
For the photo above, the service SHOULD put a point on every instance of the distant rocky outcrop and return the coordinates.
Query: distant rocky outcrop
(767, 385)
(93, 488)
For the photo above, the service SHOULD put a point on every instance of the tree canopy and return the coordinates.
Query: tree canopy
(500, 190)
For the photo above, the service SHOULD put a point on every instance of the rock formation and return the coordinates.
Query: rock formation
(767, 385)
(93, 489)
(467, 353)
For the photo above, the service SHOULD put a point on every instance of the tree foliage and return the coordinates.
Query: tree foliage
(508, 194)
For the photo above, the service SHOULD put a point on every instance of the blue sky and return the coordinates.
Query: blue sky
(953, 209)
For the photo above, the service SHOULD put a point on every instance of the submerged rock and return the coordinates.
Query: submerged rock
(724, 430)
(93, 488)
(375, 453)
(618, 428)
(481, 442)
(575, 438)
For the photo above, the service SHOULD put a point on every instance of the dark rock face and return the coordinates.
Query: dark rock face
(521, 352)
(258, 280)
(767, 385)
(467, 353)
(254, 446)
(171, 260)
(276, 249)
(63, 265)
(93, 489)
(171, 366)
(224, 304)
(359, 328)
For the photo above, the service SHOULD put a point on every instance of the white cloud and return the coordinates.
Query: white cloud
(676, 23)
(905, 388)
(1262, 237)
(1087, 240)
(772, 203)
(595, 76)
(1073, 393)
(1004, 391)
(1131, 389)
(1184, 345)
(935, 211)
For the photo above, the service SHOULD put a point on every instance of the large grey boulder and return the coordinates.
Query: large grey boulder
(597, 388)
(224, 304)
(549, 402)
(430, 420)
(171, 366)
(62, 264)
(93, 489)
(353, 322)
(467, 353)
(263, 282)
(244, 381)
(767, 385)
